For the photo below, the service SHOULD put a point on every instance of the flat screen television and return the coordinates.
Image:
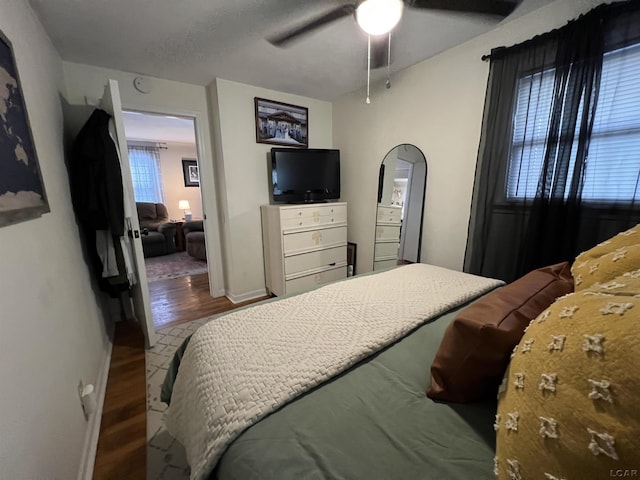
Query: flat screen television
(305, 175)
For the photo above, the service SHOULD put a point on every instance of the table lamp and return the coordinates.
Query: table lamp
(184, 205)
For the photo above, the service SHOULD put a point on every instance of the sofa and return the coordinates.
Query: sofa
(157, 232)
(194, 239)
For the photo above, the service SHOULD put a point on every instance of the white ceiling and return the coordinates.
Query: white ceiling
(196, 41)
(159, 128)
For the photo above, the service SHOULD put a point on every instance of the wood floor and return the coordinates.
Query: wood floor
(184, 299)
(122, 443)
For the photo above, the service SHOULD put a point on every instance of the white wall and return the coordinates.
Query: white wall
(173, 180)
(436, 105)
(87, 82)
(242, 165)
(53, 334)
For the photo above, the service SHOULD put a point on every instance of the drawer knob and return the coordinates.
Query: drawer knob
(300, 223)
(299, 213)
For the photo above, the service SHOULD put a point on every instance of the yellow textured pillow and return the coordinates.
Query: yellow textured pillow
(625, 284)
(568, 406)
(588, 271)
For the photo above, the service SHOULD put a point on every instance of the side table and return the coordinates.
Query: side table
(180, 243)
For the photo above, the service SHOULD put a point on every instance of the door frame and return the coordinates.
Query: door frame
(211, 222)
(111, 102)
(405, 206)
(414, 210)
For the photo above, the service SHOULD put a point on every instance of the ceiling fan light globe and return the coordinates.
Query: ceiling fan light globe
(377, 17)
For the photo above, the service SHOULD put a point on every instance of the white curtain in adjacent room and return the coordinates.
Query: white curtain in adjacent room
(145, 172)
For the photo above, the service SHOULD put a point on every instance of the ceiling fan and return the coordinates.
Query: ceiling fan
(378, 17)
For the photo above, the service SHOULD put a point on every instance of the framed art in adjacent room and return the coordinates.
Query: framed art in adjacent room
(280, 123)
(22, 193)
(190, 172)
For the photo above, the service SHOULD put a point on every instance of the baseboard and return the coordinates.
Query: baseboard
(243, 297)
(88, 459)
(220, 292)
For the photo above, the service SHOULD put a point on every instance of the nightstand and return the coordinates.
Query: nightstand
(180, 243)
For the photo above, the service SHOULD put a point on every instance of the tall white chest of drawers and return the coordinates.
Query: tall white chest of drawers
(304, 245)
(388, 224)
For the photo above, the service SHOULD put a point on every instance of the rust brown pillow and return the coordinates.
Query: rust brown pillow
(476, 347)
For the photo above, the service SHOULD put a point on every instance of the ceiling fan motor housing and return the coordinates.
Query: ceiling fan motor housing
(377, 17)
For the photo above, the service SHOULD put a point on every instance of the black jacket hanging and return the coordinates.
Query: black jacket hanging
(97, 193)
(96, 178)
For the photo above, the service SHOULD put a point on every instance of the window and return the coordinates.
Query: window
(612, 167)
(145, 173)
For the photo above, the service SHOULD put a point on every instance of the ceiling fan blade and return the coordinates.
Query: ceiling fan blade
(489, 7)
(283, 38)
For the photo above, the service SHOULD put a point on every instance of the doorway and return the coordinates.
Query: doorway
(411, 177)
(163, 157)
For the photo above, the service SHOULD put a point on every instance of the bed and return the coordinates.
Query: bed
(366, 417)
(330, 384)
(373, 422)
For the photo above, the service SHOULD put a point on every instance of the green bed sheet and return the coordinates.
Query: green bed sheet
(372, 422)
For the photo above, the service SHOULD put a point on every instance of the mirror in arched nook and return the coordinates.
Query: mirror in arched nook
(401, 192)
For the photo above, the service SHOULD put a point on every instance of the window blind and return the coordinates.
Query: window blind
(145, 173)
(612, 170)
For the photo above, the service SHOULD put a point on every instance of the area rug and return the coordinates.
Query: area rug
(174, 265)
(166, 458)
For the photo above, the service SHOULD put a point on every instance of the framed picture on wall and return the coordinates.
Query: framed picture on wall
(280, 123)
(22, 194)
(190, 172)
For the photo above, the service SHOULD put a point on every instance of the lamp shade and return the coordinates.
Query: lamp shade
(377, 17)
(183, 205)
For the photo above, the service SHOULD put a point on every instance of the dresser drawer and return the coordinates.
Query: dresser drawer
(386, 250)
(389, 214)
(308, 282)
(314, 220)
(382, 264)
(317, 214)
(304, 262)
(301, 242)
(311, 210)
(387, 233)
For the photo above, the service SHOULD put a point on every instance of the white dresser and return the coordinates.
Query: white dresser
(388, 223)
(304, 245)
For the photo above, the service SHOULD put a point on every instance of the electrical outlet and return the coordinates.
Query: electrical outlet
(87, 396)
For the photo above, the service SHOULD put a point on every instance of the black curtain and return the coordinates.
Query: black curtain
(509, 234)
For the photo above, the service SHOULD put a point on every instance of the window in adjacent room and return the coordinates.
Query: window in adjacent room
(145, 173)
(613, 162)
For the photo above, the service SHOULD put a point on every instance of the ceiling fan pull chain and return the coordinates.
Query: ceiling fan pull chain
(368, 67)
(388, 82)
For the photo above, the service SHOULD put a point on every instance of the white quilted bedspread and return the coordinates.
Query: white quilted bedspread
(240, 367)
